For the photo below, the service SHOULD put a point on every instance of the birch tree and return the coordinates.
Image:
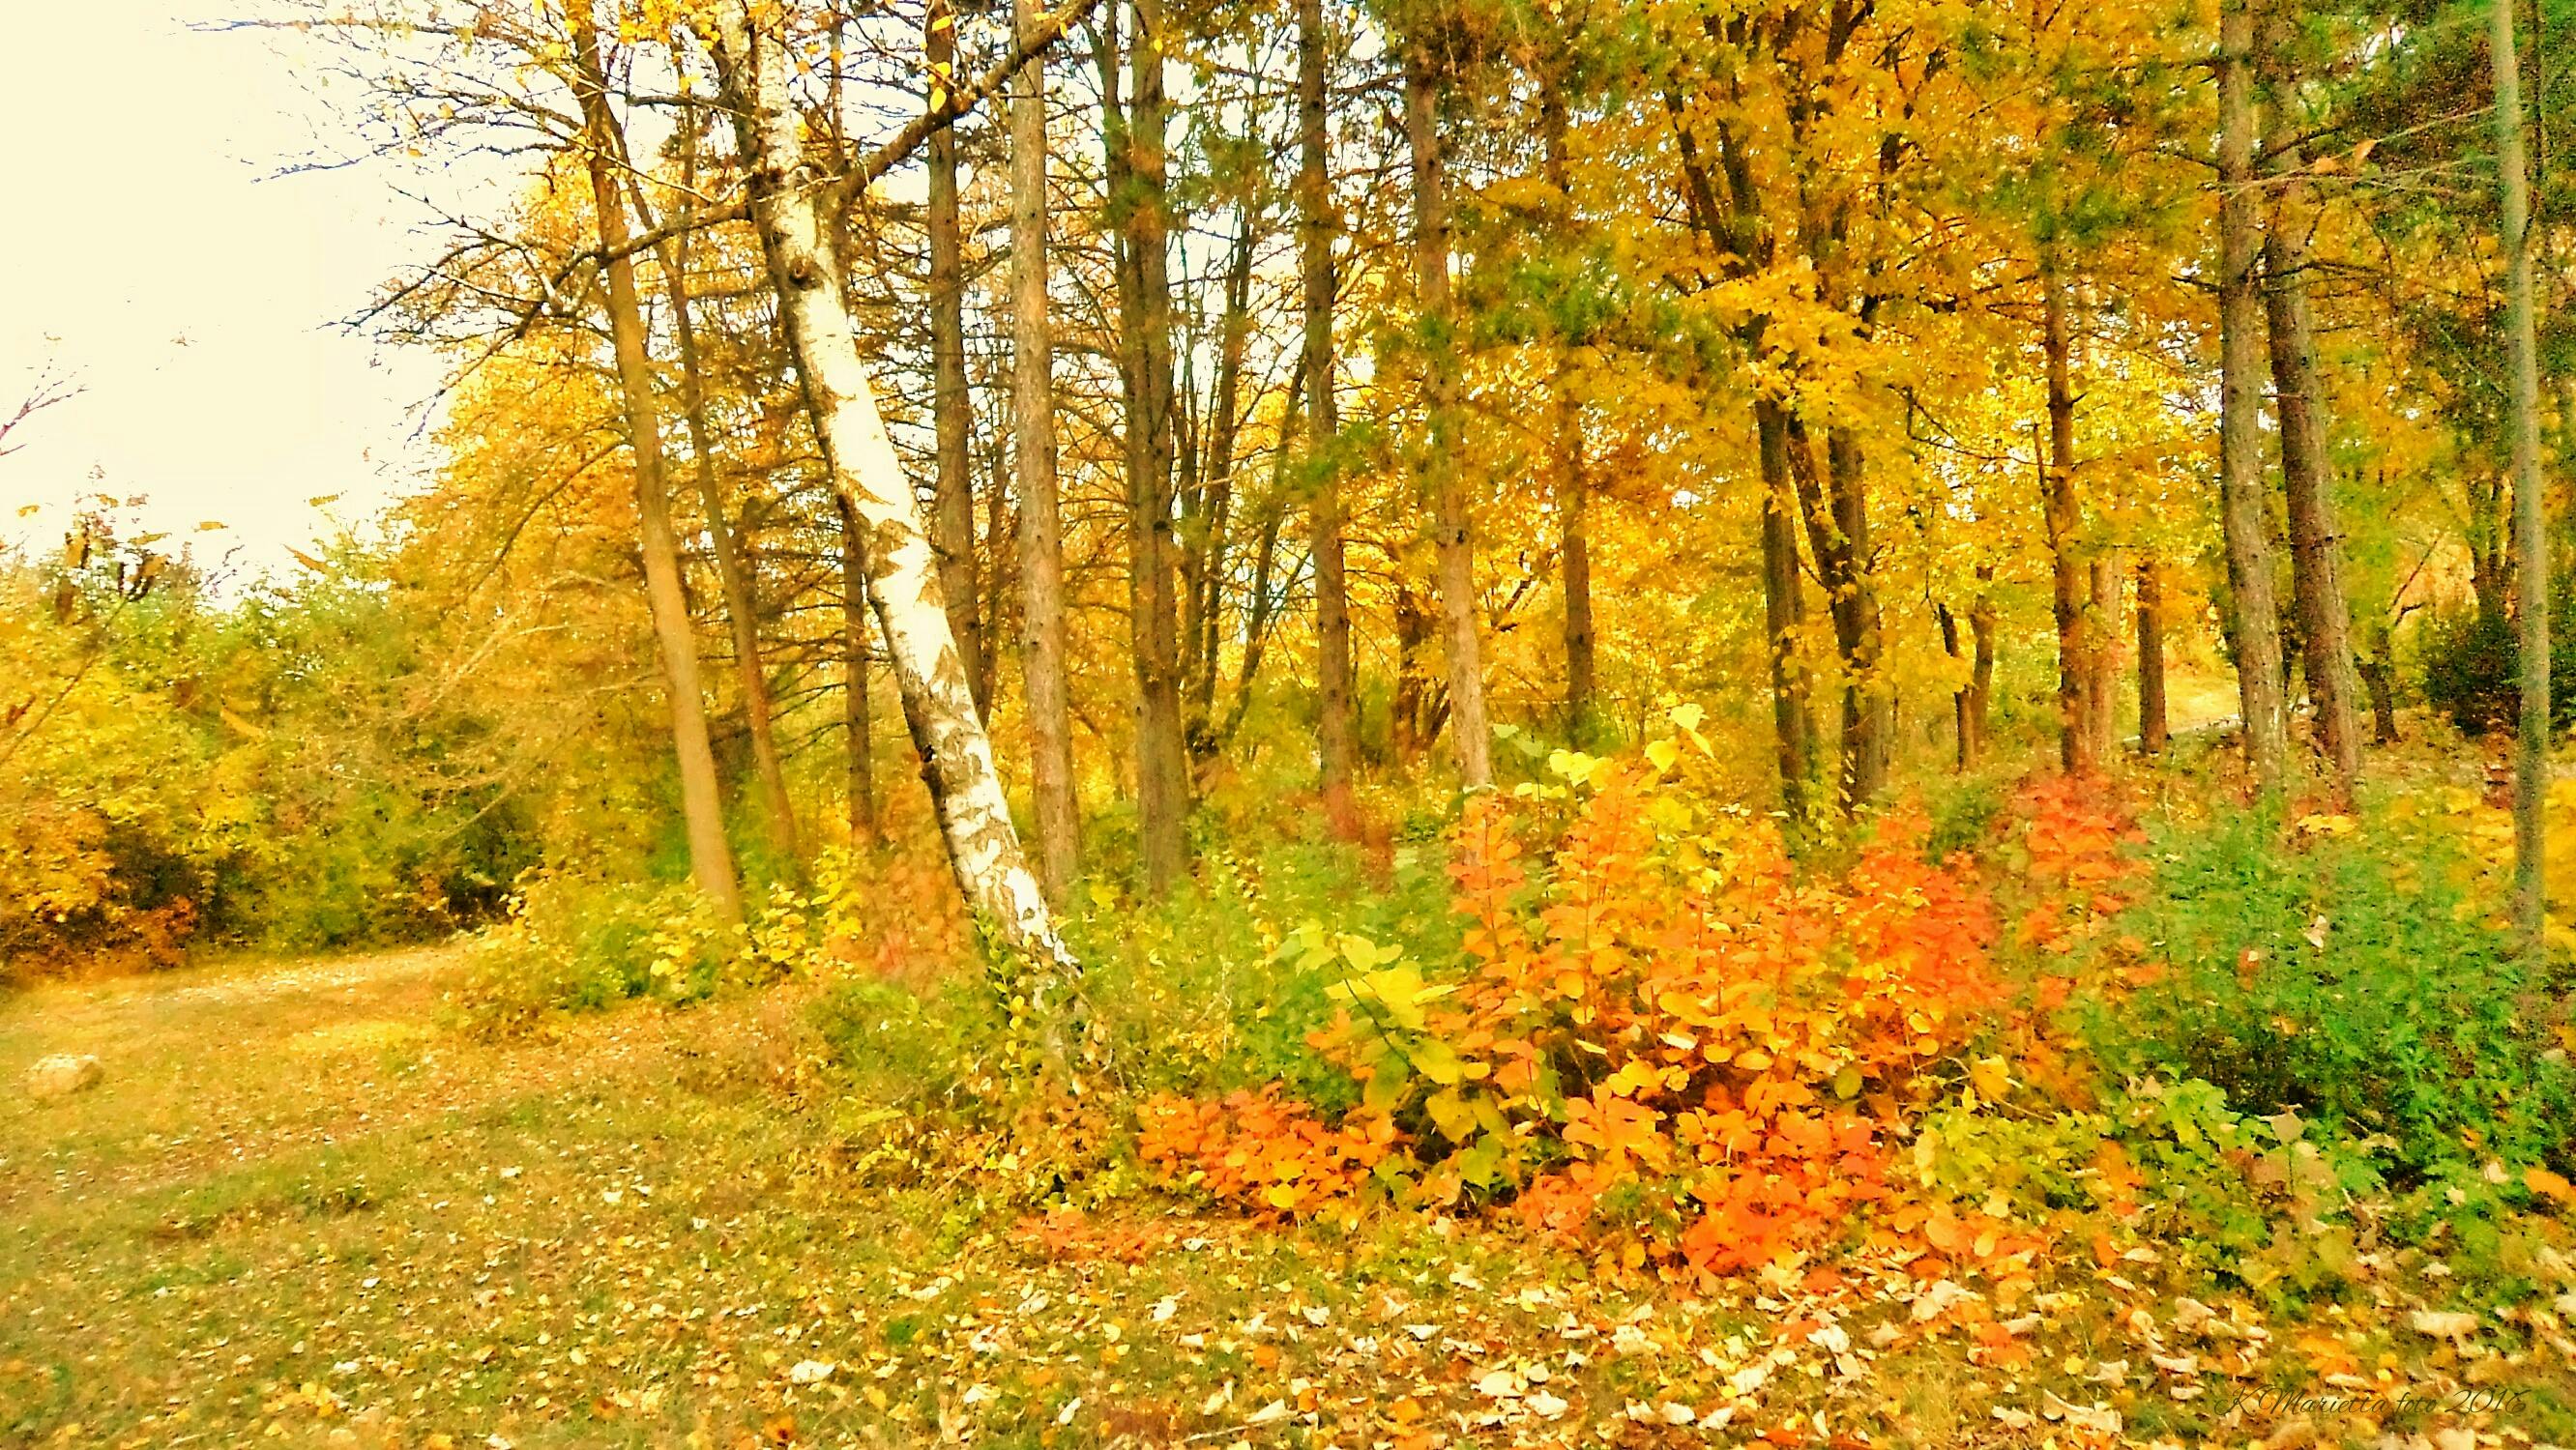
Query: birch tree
(902, 573)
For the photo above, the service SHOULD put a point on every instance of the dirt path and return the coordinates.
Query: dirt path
(241, 1062)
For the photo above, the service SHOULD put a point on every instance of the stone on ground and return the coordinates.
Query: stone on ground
(62, 1075)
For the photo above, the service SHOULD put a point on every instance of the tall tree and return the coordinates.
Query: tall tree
(710, 859)
(1336, 725)
(1033, 442)
(2078, 739)
(2244, 519)
(1141, 205)
(1573, 491)
(2531, 563)
(2153, 731)
(952, 492)
(903, 583)
(1204, 539)
(734, 572)
(2307, 475)
(1453, 536)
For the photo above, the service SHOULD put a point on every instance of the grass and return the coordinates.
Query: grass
(300, 1210)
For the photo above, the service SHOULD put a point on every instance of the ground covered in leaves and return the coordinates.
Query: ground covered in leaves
(299, 1209)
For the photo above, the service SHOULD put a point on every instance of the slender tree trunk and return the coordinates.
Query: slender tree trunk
(1981, 667)
(2077, 738)
(1452, 518)
(1793, 726)
(2316, 572)
(733, 571)
(1261, 610)
(1162, 766)
(2243, 516)
(866, 827)
(1573, 492)
(1206, 537)
(1868, 708)
(952, 492)
(1949, 624)
(1835, 502)
(2378, 680)
(1419, 706)
(2531, 566)
(2153, 731)
(710, 859)
(1041, 541)
(1000, 577)
(2490, 551)
(903, 581)
(1336, 726)
(1968, 702)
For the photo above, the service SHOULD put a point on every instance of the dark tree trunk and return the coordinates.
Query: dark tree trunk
(2316, 570)
(1336, 728)
(2255, 628)
(952, 531)
(2153, 731)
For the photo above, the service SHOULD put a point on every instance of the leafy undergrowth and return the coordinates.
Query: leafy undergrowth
(1608, 1118)
(658, 1231)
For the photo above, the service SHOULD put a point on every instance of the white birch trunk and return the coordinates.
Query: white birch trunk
(903, 581)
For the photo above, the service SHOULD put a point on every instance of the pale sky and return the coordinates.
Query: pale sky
(152, 252)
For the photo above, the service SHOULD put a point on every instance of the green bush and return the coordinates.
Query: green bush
(2348, 982)
(580, 943)
(2472, 666)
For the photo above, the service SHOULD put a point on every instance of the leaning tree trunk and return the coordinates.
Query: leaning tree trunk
(1042, 643)
(733, 571)
(701, 804)
(1452, 519)
(952, 490)
(1336, 729)
(2243, 517)
(2531, 566)
(903, 582)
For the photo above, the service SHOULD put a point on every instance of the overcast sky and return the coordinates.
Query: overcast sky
(154, 254)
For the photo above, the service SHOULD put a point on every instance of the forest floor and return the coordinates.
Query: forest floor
(301, 1209)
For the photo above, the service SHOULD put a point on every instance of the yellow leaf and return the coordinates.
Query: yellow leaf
(1990, 1076)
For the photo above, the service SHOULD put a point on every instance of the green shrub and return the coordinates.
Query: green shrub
(579, 943)
(2357, 991)
(2472, 666)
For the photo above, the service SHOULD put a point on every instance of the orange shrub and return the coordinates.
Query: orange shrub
(1261, 1152)
(1662, 1040)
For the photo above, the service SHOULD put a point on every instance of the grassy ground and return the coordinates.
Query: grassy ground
(300, 1209)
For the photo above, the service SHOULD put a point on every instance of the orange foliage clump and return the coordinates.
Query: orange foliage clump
(1260, 1151)
(2076, 834)
(1664, 1039)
